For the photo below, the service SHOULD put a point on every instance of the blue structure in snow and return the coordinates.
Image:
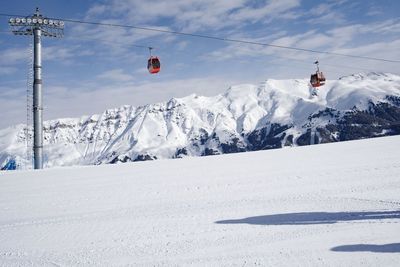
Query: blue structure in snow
(10, 166)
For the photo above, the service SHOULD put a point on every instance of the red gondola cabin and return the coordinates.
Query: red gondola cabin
(153, 65)
(317, 79)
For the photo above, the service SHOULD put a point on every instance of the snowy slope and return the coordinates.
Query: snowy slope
(273, 114)
(326, 205)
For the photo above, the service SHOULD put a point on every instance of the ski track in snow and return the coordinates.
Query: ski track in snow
(330, 205)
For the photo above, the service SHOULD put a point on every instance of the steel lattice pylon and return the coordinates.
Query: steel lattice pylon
(38, 26)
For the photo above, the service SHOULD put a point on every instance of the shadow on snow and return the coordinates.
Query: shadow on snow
(386, 248)
(306, 218)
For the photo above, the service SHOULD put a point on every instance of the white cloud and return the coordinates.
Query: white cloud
(115, 75)
(267, 12)
(384, 27)
(64, 102)
(95, 11)
(58, 53)
(343, 40)
(94, 97)
(334, 40)
(14, 56)
(321, 9)
(120, 76)
(116, 42)
(7, 70)
(388, 50)
(182, 45)
(374, 10)
(327, 13)
(194, 15)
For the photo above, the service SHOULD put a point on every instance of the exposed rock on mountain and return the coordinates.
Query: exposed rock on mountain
(274, 114)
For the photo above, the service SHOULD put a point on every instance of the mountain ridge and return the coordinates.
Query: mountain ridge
(273, 114)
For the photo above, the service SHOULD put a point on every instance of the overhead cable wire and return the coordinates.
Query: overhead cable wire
(218, 38)
(228, 40)
(109, 42)
(148, 46)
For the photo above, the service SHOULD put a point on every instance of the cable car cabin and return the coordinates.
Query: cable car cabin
(317, 79)
(153, 65)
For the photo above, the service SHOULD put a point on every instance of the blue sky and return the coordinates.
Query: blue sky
(94, 68)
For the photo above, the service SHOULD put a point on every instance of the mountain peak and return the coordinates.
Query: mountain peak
(272, 114)
(367, 76)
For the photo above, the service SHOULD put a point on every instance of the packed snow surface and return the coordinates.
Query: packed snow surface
(332, 205)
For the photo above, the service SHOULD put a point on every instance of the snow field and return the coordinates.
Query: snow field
(331, 205)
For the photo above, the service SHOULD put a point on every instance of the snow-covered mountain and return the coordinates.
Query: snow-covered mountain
(273, 114)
